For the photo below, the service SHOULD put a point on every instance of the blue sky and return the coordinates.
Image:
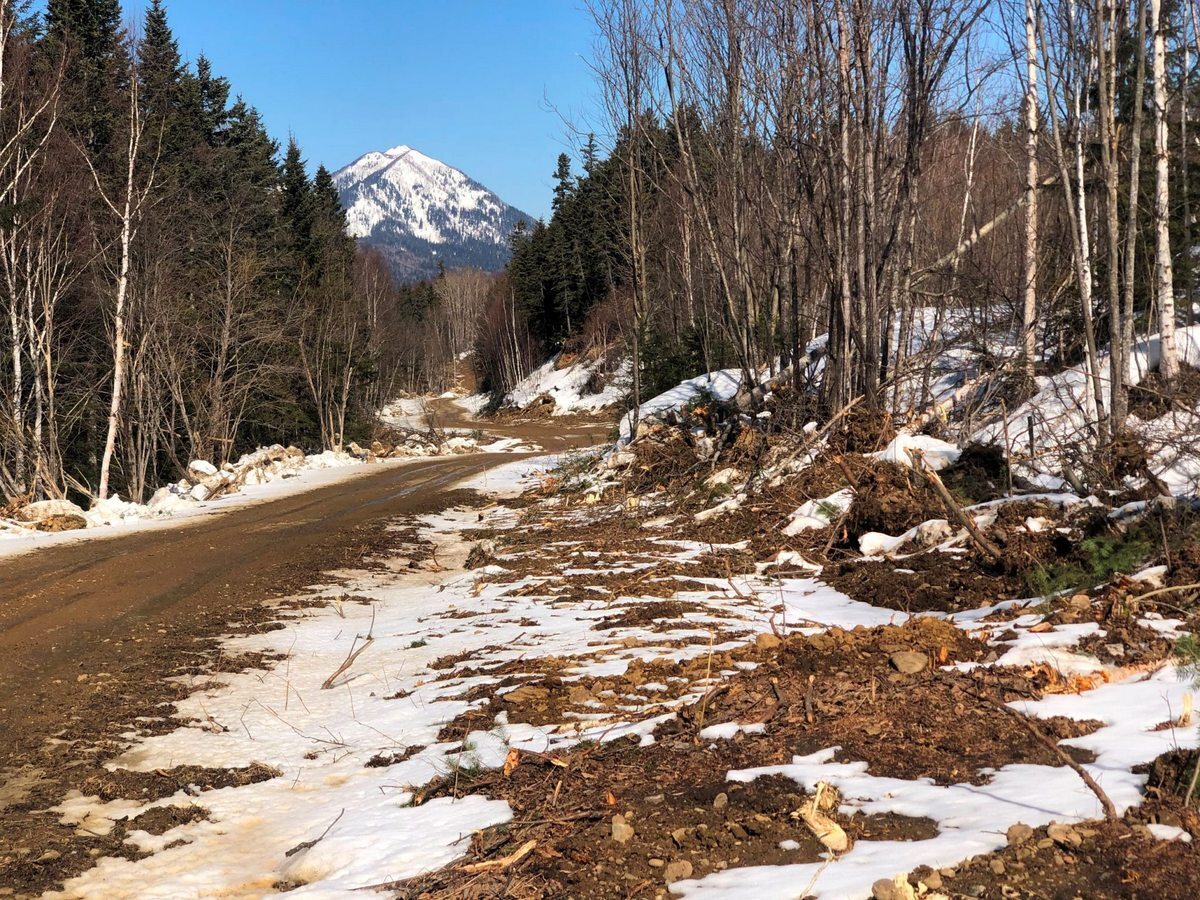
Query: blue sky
(483, 86)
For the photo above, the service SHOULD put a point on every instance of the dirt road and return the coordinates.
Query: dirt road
(111, 605)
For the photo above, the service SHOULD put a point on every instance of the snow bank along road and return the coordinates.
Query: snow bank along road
(104, 604)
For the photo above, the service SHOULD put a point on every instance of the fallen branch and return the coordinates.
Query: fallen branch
(1167, 590)
(305, 845)
(931, 478)
(505, 862)
(1110, 811)
(353, 655)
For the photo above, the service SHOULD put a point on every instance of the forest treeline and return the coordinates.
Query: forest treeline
(799, 187)
(802, 187)
(175, 286)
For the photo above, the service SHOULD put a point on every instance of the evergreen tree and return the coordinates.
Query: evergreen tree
(563, 185)
(159, 66)
(89, 33)
(590, 154)
(333, 248)
(296, 204)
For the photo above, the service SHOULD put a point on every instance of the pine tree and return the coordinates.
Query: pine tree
(253, 148)
(159, 65)
(296, 204)
(89, 31)
(332, 246)
(563, 184)
(590, 154)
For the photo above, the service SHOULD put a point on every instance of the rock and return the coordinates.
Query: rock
(1080, 602)
(620, 459)
(527, 693)
(933, 881)
(199, 492)
(1116, 651)
(656, 799)
(622, 831)
(767, 641)
(721, 800)
(655, 863)
(47, 509)
(1018, 834)
(199, 469)
(677, 871)
(909, 662)
(1064, 835)
(581, 695)
(896, 888)
(997, 866)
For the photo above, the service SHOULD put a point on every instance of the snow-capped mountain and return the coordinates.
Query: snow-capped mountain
(420, 211)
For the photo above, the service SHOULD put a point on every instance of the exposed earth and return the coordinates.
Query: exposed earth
(90, 628)
(664, 617)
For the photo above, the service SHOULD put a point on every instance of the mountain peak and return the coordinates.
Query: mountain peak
(421, 212)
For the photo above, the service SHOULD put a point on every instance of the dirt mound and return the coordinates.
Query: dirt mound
(929, 582)
(843, 688)
(608, 823)
(889, 499)
(839, 650)
(1095, 859)
(979, 475)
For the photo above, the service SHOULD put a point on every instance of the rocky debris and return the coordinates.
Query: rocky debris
(1064, 835)
(896, 888)
(52, 515)
(527, 693)
(908, 662)
(677, 871)
(622, 831)
(203, 481)
(1019, 833)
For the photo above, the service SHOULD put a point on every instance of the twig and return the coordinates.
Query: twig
(353, 655)
(1168, 590)
(505, 862)
(305, 845)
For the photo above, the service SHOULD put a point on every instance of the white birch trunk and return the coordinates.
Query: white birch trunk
(1164, 277)
(1029, 311)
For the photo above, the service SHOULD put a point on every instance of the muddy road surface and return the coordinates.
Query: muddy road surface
(114, 607)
